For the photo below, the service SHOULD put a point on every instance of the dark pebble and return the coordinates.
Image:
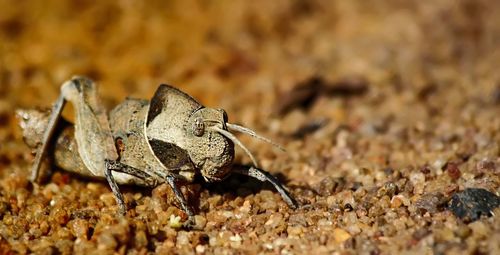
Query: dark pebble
(471, 203)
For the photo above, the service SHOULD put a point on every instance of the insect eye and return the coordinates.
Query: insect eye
(199, 127)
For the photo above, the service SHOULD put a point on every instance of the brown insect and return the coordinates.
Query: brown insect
(169, 139)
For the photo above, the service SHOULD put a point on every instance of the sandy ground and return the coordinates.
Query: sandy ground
(386, 110)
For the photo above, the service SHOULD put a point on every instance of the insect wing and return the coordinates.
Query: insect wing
(168, 112)
(169, 104)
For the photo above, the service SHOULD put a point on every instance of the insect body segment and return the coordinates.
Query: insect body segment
(169, 139)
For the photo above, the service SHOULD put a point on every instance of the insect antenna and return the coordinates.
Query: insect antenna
(253, 134)
(236, 141)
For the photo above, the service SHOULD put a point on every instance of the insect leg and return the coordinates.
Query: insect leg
(113, 165)
(171, 180)
(47, 136)
(117, 166)
(114, 187)
(93, 135)
(262, 175)
(92, 131)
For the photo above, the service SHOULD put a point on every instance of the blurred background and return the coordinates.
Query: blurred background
(213, 49)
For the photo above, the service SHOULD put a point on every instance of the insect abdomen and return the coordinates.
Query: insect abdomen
(65, 147)
(65, 150)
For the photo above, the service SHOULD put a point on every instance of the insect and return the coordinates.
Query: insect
(169, 139)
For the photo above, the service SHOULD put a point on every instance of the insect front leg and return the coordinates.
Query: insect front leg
(263, 176)
(173, 182)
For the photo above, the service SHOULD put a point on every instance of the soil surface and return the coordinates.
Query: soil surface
(386, 110)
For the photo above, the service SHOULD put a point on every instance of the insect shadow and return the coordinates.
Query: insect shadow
(245, 185)
(231, 187)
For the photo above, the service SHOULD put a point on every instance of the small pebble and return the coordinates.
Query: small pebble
(453, 171)
(200, 222)
(80, 228)
(274, 220)
(340, 235)
(431, 202)
(200, 248)
(418, 181)
(463, 231)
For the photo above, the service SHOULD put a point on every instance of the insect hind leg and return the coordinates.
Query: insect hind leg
(47, 136)
(93, 135)
(92, 130)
